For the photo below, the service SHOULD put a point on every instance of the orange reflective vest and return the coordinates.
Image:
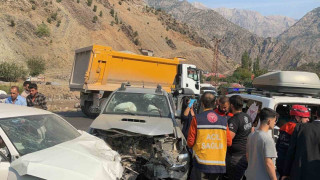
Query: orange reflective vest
(211, 142)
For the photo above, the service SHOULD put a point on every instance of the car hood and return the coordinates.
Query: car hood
(86, 157)
(146, 125)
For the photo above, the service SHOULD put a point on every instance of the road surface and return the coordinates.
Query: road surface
(77, 119)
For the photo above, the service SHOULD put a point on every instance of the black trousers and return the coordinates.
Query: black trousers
(236, 167)
(198, 175)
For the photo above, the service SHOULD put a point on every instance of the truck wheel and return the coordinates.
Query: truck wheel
(87, 110)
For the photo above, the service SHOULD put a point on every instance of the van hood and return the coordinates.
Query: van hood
(146, 125)
(86, 157)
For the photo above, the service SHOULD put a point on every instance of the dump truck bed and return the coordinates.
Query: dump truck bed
(100, 68)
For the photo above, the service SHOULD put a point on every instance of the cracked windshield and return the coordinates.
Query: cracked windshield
(34, 133)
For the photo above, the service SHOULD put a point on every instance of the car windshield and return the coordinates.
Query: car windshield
(34, 133)
(138, 104)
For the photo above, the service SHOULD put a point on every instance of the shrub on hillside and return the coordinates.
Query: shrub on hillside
(89, 2)
(11, 71)
(58, 1)
(36, 66)
(78, 1)
(43, 30)
(12, 23)
(100, 14)
(58, 23)
(95, 19)
(95, 8)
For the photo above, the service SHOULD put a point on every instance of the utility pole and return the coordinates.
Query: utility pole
(216, 59)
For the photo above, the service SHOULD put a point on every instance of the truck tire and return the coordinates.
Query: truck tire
(86, 109)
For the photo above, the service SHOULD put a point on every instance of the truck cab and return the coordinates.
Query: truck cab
(188, 76)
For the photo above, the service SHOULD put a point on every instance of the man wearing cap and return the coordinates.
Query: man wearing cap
(299, 114)
(303, 157)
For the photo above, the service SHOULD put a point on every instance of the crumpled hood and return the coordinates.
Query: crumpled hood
(86, 157)
(145, 125)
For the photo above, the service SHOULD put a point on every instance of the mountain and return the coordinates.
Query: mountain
(264, 26)
(53, 30)
(305, 34)
(274, 54)
(199, 5)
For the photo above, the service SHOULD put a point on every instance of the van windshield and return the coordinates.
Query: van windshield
(138, 104)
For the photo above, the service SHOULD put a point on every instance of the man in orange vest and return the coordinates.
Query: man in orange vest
(209, 137)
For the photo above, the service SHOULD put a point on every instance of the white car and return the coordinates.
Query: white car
(37, 144)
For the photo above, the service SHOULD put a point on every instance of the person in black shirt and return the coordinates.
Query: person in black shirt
(240, 126)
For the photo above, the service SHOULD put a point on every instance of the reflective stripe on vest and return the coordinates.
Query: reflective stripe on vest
(211, 142)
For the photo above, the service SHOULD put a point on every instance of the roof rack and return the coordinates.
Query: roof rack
(270, 94)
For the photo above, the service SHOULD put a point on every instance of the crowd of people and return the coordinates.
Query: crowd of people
(29, 96)
(224, 144)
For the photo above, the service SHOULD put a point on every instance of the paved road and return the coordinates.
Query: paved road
(77, 119)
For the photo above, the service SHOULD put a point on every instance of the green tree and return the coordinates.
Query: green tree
(95, 8)
(246, 61)
(100, 14)
(11, 71)
(256, 65)
(78, 1)
(242, 74)
(36, 65)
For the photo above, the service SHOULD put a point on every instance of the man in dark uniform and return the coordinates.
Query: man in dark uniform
(240, 126)
(299, 114)
(303, 157)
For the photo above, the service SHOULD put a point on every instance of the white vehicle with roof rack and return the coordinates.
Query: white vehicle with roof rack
(280, 91)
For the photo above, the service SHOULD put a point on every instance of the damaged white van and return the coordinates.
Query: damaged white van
(139, 123)
(281, 90)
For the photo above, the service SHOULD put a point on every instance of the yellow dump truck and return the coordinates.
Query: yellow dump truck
(99, 70)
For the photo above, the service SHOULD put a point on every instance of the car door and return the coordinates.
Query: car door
(4, 168)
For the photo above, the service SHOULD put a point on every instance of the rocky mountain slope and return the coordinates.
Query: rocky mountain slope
(264, 26)
(54, 29)
(305, 34)
(274, 54)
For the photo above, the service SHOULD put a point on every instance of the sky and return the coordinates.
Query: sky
(292, 8)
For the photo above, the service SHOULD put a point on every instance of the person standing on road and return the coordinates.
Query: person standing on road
(261, 150)
(187, 113)
(36, 99)
(240, 126)
(299, 114)
(26, 91)
(209, 137)
(15, 98)
(303, 156)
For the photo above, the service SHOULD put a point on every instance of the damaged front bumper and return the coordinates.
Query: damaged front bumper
(153, 157)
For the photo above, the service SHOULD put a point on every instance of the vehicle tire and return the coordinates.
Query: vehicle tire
(86, 109)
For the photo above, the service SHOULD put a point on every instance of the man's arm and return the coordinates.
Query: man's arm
(291, 151)
(192, 132)
(233, 127)
(43, 103)
(270, 168)
(229, 138)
